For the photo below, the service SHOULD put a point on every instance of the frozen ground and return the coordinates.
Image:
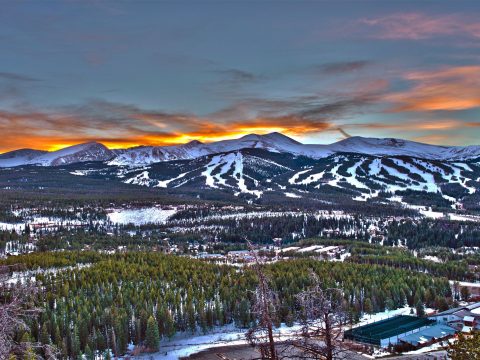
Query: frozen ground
(186, 344)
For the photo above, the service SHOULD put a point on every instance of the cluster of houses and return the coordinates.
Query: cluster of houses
(236, 257)
(333, 252)
(473, 289)
(413, 332)
(464, 318)
(275, 253)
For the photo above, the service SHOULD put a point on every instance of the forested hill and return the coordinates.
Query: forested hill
(106, 300)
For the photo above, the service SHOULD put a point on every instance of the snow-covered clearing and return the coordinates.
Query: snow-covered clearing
(50, 222)
(352, 179)
(459, 217)
(150, 215)
(429, 213)
(22, 276)
(294, 178)
(185, 344)
(433, 258)
(466, 283)
(81, 172)
(291, 248)
(310, 248)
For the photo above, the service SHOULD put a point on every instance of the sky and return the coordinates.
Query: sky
(128, 73)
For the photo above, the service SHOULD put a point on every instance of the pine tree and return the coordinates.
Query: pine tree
(243, 313)
(465, 293)
(29, 354)
(44, 335)
(152, 335)
(368, 306)
(57, 337)
(169, 325)
(420, 309)
(75, 343)
(89, 353)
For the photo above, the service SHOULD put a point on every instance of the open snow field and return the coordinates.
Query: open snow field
(150, 215)
(183, 345)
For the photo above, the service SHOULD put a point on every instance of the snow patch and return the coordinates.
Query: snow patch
(151, 215)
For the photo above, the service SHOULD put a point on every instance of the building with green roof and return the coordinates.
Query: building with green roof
(389, 331)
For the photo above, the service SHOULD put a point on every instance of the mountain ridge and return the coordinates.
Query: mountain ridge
(274, 142)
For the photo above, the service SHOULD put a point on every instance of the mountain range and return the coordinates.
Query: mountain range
(272, 167)
(273, 142)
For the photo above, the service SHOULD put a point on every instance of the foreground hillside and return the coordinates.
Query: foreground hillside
(104, 301)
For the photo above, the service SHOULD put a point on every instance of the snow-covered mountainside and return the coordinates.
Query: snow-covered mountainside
(391, 146)
(74, 154)
(274, 142)
(258, 174)
(144, 155)
(369, 176)
(242, 172)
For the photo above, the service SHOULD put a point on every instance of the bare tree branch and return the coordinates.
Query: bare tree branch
(264, 309)
(322, 318)
(16, 307)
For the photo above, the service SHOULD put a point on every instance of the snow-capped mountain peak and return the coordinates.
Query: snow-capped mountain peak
(280, 138)
(193, 143)
(19, 157)
(91, 151)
